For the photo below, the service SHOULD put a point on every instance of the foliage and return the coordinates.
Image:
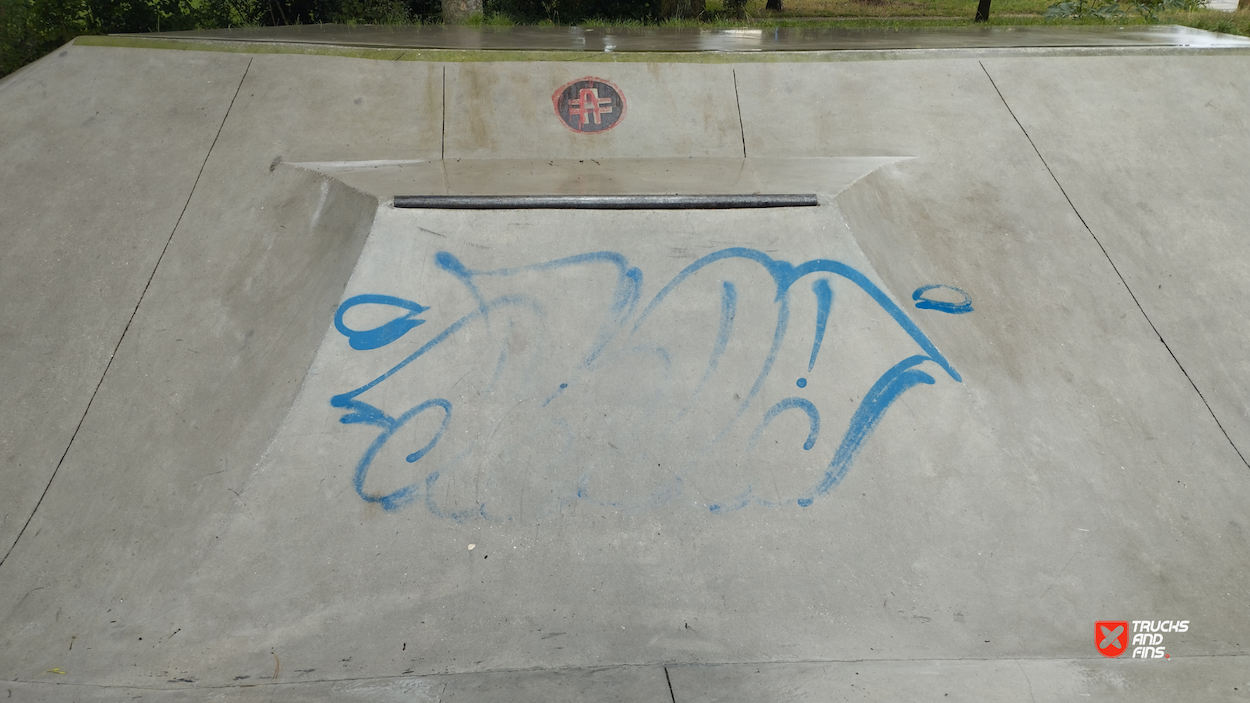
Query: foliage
(573, 11)
(1110, 9)
(478, 19)
(251, 13)
(1150, 9)
(31, 28)
(1228, 23)
(17, 43)
(1077, 9)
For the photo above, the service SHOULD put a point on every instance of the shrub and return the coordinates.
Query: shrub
(31, 28)
(1110, 9)
(573, 11)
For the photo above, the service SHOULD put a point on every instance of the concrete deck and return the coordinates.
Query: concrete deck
(270, 438)
(679, 39)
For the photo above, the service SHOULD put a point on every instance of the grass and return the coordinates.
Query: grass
(895, 14)
(958, 9)
(1227, 22)
(18, 48)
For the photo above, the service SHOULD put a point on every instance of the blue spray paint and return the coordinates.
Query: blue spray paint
(824, 301)
(625, 297)
(616, 326)
(405, 495)
(383, 335)
(363, 412)
(728, 310)
(554, 395)
(923, 303)
(885, 391)
(813, 419)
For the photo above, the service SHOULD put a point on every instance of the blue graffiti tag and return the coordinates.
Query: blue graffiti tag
(924, 303)
(813, 419)
(384, 334)
(617, 328)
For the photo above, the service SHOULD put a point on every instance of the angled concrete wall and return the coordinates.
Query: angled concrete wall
(1157, 172)
(100, 158)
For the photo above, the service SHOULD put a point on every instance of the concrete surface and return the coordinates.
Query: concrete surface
(85, 222)
(694, 39)
(491, 113)
(637, 456)
(1182, 255)
(601, 176)
(1044, 681)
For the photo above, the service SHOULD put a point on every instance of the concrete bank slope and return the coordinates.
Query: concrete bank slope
(955, 433)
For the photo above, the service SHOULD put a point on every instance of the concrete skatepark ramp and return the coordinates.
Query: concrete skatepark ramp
(271, 438)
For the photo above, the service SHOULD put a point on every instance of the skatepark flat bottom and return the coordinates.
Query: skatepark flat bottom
(972, 428)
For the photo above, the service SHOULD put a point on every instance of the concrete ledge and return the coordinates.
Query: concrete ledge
(707, 176)
(470, 56)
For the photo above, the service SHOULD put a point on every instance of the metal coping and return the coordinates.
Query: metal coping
(606, 202)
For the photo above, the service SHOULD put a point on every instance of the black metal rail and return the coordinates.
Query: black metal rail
(605, 202)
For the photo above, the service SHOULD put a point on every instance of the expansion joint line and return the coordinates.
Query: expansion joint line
(109, 364)
(442, 147)
(738, 101)
(669, 680)
(1115, 268)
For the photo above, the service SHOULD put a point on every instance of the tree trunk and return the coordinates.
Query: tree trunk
(456, 11)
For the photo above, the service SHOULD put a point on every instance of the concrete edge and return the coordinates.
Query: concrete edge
(333, 689)
(472, 56)
(9, 79)
(371, 204)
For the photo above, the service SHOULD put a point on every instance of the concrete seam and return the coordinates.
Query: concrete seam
(1116, 269)
(442, 152)
(738, 101)
(669, 680)
(354, 679)
(109, 364)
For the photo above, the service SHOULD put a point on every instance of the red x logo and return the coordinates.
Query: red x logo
(1111, 637)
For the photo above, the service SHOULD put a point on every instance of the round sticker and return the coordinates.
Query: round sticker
(589, 104)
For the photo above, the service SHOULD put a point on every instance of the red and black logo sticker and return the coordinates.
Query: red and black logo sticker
(1111, 637)
(589, 105)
